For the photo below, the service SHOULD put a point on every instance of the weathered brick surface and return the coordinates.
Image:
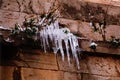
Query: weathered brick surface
(108, 2)
(64, 66)
(28, 6)
(94, 65)
(97, 68)
(9, 5)
(98, 77)
(37, 59)
(6, 73)
(85, 30)
(38, 6)
(102, 66)
(10, 18)
(81, 28)
(43, 66)
(84, 11)
(71, 76)
(69, 9)
(36, 74)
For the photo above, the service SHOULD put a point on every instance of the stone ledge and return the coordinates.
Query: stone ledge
(97, 77)
(107, 2)
(103, 47)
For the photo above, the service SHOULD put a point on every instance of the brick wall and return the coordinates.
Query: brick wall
(37, 65)
(47, 66)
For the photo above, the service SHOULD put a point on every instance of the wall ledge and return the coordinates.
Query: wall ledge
(103, 47)
(106, 2)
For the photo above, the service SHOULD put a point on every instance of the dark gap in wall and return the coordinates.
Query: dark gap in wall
(17, 73)
(97, 54)
(1, 2)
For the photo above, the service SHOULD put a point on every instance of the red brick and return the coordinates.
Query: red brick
(38, 59)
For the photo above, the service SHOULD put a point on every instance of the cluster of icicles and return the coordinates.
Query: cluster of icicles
(59, 39)
(58, 36)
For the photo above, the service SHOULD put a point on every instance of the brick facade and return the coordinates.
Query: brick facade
(37, 65)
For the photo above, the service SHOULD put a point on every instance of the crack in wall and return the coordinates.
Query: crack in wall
(1, 2)
(19, 6)
(17, 73)
(31, 7)
(117, 70)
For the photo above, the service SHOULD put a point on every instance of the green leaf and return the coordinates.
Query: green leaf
(16, 26)
(25, 23)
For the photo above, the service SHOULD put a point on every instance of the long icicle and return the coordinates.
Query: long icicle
(67, 50)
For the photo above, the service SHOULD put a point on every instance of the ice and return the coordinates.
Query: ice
(61, 48)
(67, 50)
(40, 22)
(53, 36)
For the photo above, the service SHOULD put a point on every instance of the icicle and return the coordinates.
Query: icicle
(67, 50)
(61, 48)
(56, 48)
(41, 37)
(56, 24)
(44, 45)
(56, 36)
(77, 60)
(46, 37)
(74, 45)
